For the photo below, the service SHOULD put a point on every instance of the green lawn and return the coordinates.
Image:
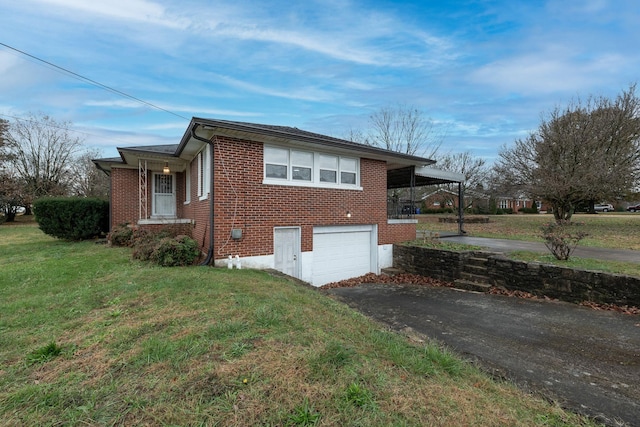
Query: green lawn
(607, 230)
(90, 337)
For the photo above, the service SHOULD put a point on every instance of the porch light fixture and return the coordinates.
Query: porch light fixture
(348, 214)
(166, 169)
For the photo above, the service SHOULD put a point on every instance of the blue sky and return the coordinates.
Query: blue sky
(483, 71)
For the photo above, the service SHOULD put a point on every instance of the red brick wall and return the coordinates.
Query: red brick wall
(124, 196)
(242, 201)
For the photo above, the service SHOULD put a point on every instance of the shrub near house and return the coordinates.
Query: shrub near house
(167, 247)
(72, 218)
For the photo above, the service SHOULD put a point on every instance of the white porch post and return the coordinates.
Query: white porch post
(142, 190)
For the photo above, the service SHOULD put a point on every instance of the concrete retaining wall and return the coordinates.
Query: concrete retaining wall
(563, 283)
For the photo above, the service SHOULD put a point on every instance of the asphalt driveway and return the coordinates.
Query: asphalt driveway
(586, 360)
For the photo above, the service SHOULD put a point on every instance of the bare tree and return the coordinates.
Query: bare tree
(4, 153)
(585, 152)
(404, 129)
(42, 152)
(4, 127)
(11, 195)
(89, 181)
(474, 169)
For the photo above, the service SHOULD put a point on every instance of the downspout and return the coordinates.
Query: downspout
(460, 210)
(209, 258)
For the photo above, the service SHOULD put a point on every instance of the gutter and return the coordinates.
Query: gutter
(306, 137)
(209, 258)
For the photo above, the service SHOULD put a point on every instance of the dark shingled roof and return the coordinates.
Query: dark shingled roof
(302, 135)
(169, 149)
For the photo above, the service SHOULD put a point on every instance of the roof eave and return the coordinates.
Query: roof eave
(365, 150)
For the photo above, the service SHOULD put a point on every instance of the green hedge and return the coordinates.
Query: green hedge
(72, 218)
(532, 210)
(435, 211)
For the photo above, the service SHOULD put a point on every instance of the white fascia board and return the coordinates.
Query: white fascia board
(439, 174)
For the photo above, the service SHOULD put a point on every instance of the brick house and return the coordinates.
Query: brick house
(309, 205)
(440, 199)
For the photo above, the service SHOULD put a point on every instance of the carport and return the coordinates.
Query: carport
(411, 177)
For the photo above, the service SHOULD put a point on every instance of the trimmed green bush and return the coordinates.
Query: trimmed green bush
(435, 211)
(504, 211)
(72, 218)
(531, 210)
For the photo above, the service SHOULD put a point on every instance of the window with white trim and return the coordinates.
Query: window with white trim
(348, 171)
(187, 185)
(328, 168)
(301, 165)
(297, 167)
(276, 163)
(204, 172)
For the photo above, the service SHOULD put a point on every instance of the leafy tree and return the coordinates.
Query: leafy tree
(41, 151)
(589, 151)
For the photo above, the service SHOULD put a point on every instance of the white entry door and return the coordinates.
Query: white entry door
(164, 195)
(286, 250)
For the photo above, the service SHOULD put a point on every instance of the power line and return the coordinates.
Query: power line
(93, 82)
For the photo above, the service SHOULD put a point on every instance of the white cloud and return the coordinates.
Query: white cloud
(119, 103)
(127, 10)
(327, 44)
(547, 72)
(191, 110)
(345, 32)
(307, 93)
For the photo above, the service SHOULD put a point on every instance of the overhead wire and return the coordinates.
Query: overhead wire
(91, 81)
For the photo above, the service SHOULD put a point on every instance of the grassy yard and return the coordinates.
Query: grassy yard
(607, 230)
(90, 337)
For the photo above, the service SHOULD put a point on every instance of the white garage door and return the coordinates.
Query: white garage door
(342, 252)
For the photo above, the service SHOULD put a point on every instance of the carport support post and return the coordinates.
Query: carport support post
(412, 202)
(460, 210)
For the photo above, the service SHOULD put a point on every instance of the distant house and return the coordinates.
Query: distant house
(515, 203)
(309, 205)
(440, 198)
